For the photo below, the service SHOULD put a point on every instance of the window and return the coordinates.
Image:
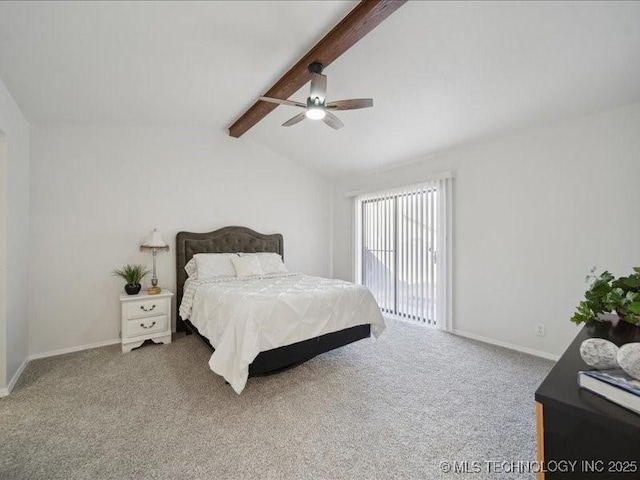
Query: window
(401, 234)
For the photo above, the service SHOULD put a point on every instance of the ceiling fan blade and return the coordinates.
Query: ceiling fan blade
(318, 86)
(280, 101)
(294, 120)
(352, 104)
(333, 121)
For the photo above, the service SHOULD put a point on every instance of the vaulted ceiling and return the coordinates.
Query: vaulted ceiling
(441, 73)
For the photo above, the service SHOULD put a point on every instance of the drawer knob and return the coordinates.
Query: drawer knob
(152, 324)
(147, 309)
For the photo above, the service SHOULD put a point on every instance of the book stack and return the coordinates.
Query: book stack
(614, 385)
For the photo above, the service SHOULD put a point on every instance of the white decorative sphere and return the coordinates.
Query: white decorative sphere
(629, 359)
(599, 353)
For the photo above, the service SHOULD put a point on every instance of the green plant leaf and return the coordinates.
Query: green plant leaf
(600, 288)
(614, 299)
(634, 308)
(632, 282)
(578, 318)
(606, 277)
(132, 274)
(633, 319)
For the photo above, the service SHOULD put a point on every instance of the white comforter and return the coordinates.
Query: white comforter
(243, 317)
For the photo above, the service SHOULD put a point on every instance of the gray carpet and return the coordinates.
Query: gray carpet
(392, 408)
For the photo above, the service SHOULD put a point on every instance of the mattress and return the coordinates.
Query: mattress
(243, 317)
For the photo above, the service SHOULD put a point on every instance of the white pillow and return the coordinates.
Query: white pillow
(211, 265)
(247, 266)
(192, 269)
(269, 262)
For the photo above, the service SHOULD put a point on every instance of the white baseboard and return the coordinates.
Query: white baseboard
(511, 346)
(12, 383)
(7, 390)
(62, 351)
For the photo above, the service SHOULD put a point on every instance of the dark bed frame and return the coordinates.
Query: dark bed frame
(242, 239)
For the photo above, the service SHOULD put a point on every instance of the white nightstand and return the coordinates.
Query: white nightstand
(145, 317)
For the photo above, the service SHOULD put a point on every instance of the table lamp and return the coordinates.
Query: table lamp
(154, 242)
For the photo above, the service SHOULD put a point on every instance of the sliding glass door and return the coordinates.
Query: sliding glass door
(398, 256)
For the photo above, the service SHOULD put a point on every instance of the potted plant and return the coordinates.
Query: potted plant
(133, 275)
(608, 294)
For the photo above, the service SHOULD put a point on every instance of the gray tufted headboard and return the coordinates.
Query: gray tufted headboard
(223, 240)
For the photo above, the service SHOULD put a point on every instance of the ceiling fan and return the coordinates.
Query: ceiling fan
(316, 107)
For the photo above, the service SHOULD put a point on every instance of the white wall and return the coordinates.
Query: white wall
(97, 191)
(14, 259)
(3, 263)
(533, 213)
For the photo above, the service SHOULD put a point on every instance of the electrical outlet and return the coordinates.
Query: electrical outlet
(540, 330)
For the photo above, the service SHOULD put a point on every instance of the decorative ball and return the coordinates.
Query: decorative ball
(599, 353)
(629, 359)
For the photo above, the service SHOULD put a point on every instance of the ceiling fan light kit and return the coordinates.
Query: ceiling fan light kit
(315, 113)
(316, 107)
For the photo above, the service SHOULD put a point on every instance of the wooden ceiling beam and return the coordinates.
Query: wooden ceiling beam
(367, 15)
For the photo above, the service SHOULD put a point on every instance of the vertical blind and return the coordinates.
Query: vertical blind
(403, 253)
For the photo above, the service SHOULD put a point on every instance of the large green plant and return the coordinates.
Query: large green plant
(608, 294)
(133, 274)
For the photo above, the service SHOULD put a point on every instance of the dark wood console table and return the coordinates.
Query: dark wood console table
(574, 425)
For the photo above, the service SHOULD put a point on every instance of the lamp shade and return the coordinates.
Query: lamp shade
(154, 240)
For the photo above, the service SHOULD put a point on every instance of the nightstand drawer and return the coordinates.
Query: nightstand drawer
(147, 308)
(146, 325)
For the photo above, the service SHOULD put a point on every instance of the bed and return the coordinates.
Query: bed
(243, 240)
